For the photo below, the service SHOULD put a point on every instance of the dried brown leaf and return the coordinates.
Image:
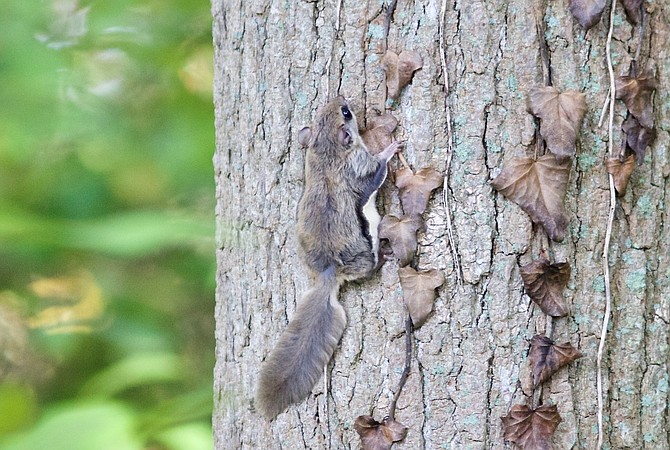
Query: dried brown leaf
(419, 292)
(399, 70)
(636, 93)
(408, 63)
(538, 187)
(390, 66)
(378, 134)
(401, 233)
(587, 12)
(379, 435)
(531, 429)
(544, 283)
(415, 188)
(546, 357)
(633, 10)
(561, 114)
(386, 121)
(621, 171)
(638, 137)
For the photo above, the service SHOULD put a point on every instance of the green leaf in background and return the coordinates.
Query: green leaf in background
(133, 371)
(191, 436)
(18, 406)
(77, 426)
(124, 234)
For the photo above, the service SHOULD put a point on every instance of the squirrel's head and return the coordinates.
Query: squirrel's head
(335, 126)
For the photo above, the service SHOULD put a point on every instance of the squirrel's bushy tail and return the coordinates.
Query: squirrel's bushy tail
(303, 350)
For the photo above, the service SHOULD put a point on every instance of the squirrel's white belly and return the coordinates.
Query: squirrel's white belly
(372, 216)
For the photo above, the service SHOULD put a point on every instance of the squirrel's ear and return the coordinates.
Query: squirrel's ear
(344, 136)
(304, 136)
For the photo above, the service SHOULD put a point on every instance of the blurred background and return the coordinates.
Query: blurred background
(106, 225)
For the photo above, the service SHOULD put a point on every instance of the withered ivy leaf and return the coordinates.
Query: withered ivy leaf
(401, 233)
(378, 135)
(633, 12)
(638, 137)
(418, 290)
(386, 121)
(538, 187)
(621, 171)
(531, 429)
(379, 435)
(636, 93)
(587, 12)
(544, 283)
(561, 114)
(415, 188)
(399, 70)
(546, 357)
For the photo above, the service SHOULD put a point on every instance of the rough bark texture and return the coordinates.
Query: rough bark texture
(277, 61)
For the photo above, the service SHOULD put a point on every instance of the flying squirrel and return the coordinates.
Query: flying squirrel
(338, 241)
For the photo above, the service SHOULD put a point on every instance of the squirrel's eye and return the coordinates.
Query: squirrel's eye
(346, 113)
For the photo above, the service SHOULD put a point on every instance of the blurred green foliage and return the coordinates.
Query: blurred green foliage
(106, 225)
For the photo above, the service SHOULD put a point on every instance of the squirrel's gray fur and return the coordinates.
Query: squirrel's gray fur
(337, 236)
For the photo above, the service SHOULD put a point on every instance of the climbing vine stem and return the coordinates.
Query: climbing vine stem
(408, 365)
(608, 234)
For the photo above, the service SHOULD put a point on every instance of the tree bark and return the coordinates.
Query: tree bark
(276, 62)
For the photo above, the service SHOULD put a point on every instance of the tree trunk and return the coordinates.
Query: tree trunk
(276, 62)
